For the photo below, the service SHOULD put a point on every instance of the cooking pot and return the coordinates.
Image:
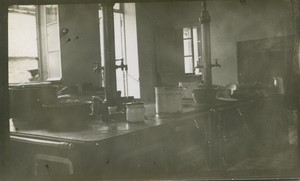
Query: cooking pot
(25, 100)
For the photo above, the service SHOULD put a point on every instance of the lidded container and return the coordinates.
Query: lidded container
(168, 99)
(135, 112)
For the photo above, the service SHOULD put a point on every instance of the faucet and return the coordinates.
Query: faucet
(99, 68)
(198, 66)
(216, 64)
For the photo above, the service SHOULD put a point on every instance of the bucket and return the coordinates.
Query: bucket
(168, 99)
(135, 112)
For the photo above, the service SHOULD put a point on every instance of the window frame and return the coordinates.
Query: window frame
(195, 46)
(43, 45)
(123, 47)
(191, 38)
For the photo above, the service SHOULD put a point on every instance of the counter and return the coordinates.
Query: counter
(162, 146)
(98, 130)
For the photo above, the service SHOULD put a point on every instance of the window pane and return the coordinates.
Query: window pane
(18, 69)
(22, 45)
(27, 6)
(101, 37)
(195, 43)
(118, 35)
(53, 37)
(117, 6)
(54, 65)
(51, 13)
(23, 9)
(188, 65)
(187, 33)
(187, 47)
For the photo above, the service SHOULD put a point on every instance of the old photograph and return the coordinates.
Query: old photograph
(149, 90)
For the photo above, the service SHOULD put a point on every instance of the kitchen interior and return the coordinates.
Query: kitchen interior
(151, 90)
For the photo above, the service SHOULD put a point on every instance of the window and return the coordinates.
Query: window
(23, 45)
(34, 43)
(50, 43)
(120, 56)
(192, 50)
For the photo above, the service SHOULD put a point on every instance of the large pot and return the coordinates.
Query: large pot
(26, 100)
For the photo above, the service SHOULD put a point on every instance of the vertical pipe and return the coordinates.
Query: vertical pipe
(109, 53)
(206, 49)
(4, 115)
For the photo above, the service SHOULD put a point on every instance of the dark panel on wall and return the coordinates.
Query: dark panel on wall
(260, 60)
(233, 22)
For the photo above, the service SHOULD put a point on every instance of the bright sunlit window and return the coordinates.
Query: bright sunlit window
(192, 50)
(120, 56)
(22, 37)
(34, 43)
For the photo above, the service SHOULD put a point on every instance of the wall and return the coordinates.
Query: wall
(231, 22)
(160, 44)
(255, 20)
(159, 57)
(80, 48)
(150, 17)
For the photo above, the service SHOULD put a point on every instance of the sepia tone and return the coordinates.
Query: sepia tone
(93, 90)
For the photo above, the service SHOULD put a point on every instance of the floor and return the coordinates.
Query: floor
(283, 159)
(281, 156)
